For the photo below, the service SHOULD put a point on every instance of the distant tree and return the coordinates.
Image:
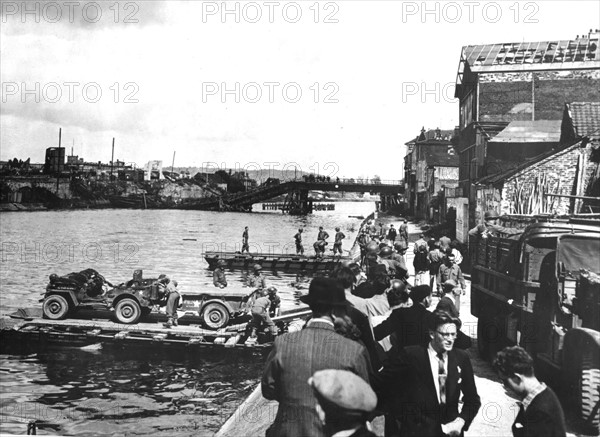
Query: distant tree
(376, 179)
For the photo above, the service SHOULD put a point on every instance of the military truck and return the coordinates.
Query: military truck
(541, 290)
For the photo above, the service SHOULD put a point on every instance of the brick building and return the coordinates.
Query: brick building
(500, 84)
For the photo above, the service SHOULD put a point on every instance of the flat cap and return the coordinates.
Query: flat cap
(344, 389)
(450, 284)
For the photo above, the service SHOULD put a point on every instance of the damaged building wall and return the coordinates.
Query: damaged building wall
(512, 96)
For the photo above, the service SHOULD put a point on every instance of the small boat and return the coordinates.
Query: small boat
(274, 261)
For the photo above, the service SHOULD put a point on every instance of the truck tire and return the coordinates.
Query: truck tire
(128, 311)
(215, 315)
(589, 394)
(55, 307)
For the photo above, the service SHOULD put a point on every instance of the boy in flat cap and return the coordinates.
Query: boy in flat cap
(344, 402)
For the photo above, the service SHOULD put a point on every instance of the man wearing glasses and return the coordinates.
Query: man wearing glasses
(421, 385)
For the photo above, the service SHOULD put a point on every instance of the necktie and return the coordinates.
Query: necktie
(442, 378)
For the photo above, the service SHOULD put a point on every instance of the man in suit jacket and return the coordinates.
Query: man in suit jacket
(421, 385)
(446, 302)
(408, 326)
(540, 413)
(296, 356)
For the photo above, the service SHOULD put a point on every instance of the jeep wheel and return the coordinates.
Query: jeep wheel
(55, 307)
(215, 316)
(128, 311)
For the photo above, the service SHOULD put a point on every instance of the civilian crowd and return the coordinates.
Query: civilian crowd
(374, 346)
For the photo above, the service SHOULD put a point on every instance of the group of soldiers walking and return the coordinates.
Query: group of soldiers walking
(319, 245)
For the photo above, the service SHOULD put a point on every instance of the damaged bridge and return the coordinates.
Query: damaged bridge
(297, 201)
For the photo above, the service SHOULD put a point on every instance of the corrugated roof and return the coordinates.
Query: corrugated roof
(585, 117)
(520, 56)
(538, 131)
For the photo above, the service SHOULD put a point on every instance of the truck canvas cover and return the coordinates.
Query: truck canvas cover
(579, 251)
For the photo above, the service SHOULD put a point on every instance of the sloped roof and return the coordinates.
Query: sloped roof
(537, 131)
(439, 156)
(511, 171)
(528, 56)
(585, 117)
(492, 128)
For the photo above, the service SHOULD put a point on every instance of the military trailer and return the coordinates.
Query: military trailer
(541, 290)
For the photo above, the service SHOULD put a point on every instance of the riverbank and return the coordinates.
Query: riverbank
(44, 192)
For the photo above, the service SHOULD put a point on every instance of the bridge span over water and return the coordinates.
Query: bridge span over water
(297, 199)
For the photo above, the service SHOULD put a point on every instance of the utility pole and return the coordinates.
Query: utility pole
(173, 163)
(58, 166)
(112, 159)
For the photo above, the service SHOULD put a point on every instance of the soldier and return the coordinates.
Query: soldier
(256, 279)
(173, 299)
(260, 314)
(403, 232)
(219, 278)
(298, 240)
(337, 246)
(490, 227)
(363, 240)
(451, 270)
(323, 235)
(275, 307)
(319, 247)
(245, 246)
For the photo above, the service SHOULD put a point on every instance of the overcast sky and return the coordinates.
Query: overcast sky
(345, 82)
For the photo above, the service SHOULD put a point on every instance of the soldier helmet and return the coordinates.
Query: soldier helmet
(490, 215)
(385, 252)
(272, 290)
(257, 267)
(337, 229)
(53, 277)
(221, 263)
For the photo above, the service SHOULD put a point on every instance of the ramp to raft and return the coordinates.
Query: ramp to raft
(256, 414)
(252, 417)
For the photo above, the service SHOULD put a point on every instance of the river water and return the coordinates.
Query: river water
(101, 390)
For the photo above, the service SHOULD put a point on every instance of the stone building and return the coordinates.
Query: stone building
(430, 165)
